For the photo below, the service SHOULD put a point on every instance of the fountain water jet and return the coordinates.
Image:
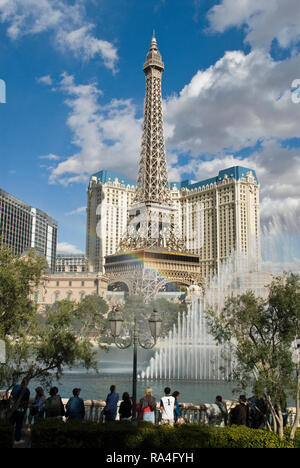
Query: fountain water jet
(189, 351)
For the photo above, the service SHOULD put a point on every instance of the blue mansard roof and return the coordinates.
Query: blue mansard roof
(235, 172)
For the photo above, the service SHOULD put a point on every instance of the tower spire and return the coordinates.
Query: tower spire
(152, 179)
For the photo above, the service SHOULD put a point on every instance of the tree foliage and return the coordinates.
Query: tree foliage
(262, 335)
(135, 306)
(40, 347)
(18, 277)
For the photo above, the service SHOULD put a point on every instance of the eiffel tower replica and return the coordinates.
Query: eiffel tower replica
(152, 252)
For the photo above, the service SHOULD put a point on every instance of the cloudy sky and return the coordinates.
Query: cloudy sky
(75, 91)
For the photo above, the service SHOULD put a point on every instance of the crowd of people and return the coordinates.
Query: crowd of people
(252, 412)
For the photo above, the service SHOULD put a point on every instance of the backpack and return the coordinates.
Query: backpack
(148, 401)
(54, 407)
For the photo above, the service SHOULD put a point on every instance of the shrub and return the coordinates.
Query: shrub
(297, 439)
(124, 435)
(6, 436)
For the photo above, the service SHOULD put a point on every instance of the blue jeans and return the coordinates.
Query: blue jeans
(110, 416)
(149, 417)
(17, 420)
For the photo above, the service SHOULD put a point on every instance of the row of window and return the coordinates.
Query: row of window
(70, 283)
(57, 295)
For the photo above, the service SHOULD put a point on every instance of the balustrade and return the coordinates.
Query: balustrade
(191, 413)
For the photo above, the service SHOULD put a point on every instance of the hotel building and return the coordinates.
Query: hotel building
(216, 216)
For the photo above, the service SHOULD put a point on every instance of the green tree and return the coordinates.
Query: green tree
(262, 335)
(136, 307)
(91, 317)
(39, 349)
(18, 277)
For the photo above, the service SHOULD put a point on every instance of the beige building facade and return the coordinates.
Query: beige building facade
(220, 216)
(109, 197)
(70, 286)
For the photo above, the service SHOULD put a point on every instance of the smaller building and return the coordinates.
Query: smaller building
(72, 263)
(70, 286)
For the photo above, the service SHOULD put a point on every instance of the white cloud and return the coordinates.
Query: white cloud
(68, 24)
(82, 42)
(47, 80)
(239, 100)
(281, 266)
(78, 211)
(264, 20)
(50, 157)
(66, 248)
(107, 137)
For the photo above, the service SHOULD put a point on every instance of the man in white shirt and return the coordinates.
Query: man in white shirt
(167, 405)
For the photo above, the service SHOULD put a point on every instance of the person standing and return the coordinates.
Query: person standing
(239, 415)
(177, 416)
(148, 406)
(224, 413)
(111, 408)
(54, 406)
(125, 410)
(38, 404)
(167, 407)
(21, 393)
(75, 406)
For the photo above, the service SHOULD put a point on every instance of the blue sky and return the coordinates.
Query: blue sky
(75, 91)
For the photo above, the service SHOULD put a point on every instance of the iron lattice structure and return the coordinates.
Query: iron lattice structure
(152, 181)
(153, 220)
(153, 224)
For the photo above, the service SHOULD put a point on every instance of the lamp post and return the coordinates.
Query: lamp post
(116, 322)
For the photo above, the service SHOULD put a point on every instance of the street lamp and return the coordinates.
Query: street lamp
(116, 323)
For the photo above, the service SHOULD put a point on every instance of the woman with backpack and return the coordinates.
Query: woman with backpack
(148, 406)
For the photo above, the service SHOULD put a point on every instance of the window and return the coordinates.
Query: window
(70, 283)
(69, 296)
(36, 297)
